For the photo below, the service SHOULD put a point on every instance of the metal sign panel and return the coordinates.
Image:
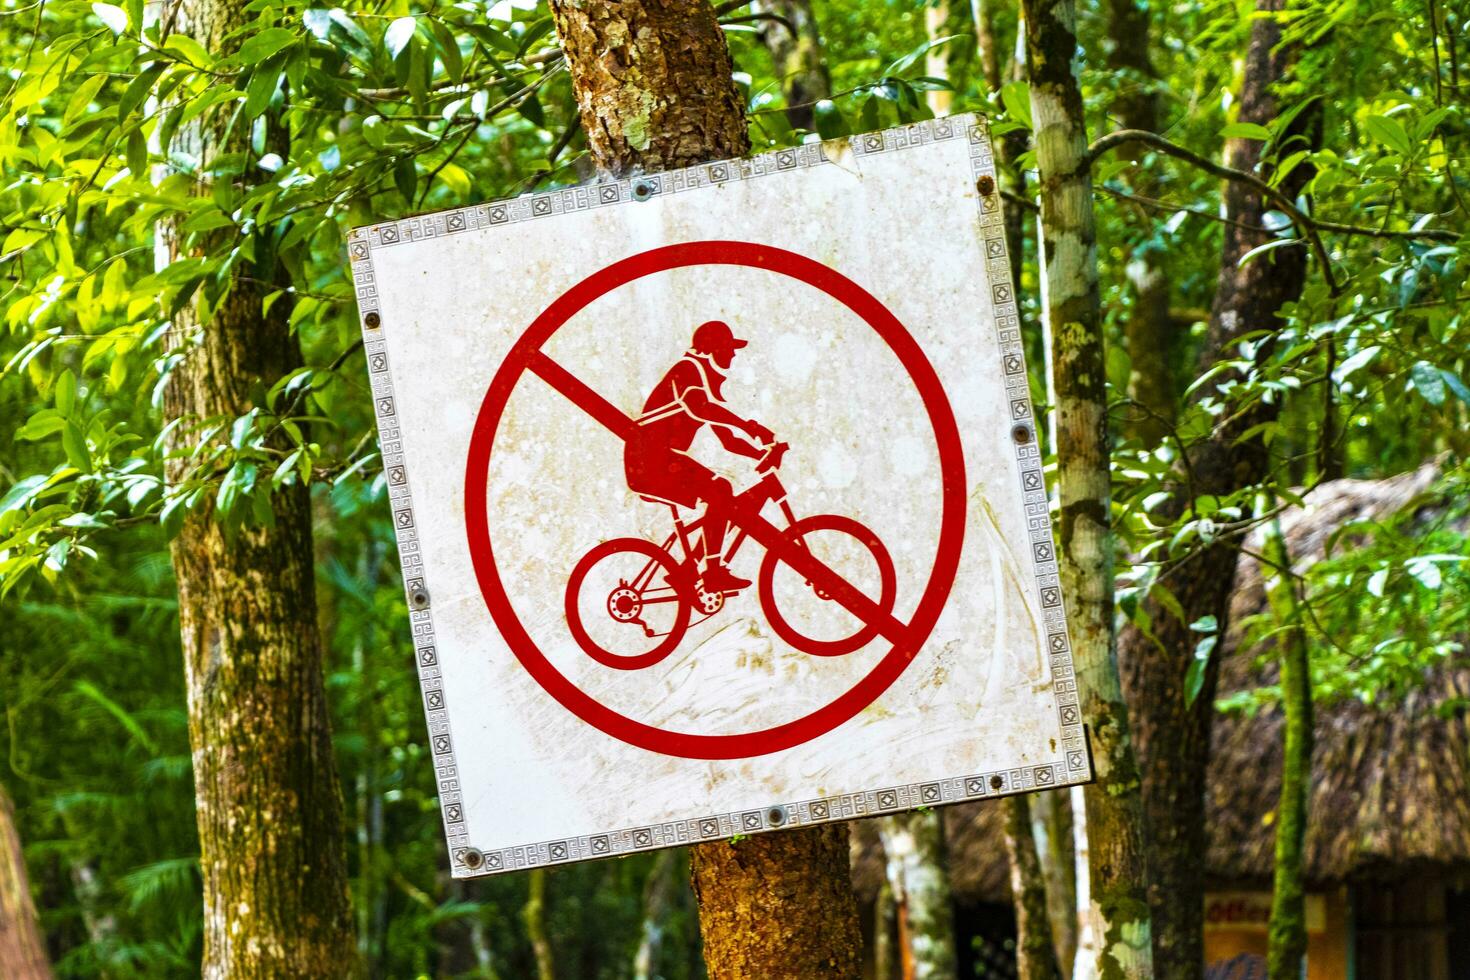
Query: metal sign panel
(718, 500)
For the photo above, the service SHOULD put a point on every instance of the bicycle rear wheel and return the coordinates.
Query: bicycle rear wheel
(622, 606)
(827, 629)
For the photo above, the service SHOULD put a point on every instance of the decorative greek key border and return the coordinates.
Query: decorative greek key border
(1074, 764)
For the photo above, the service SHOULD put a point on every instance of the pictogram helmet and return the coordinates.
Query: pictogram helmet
(715, 336)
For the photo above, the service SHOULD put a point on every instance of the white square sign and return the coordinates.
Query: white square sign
(718, 500)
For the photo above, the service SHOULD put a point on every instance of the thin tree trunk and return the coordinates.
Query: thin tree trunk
(1051, 822)
(913, 850)
(936, 59)
(1173, 734)
(656, 895)
(533, 914)
(795, 43)
(22, 950)
(1036, 955)
(1084, 964)
(1287, 936)
(1147, 328)
(653, 84)
(884, 924)
(1114, 807)
(269, 807)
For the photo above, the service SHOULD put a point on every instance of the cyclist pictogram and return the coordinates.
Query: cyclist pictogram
(825, 583)
(629, 601)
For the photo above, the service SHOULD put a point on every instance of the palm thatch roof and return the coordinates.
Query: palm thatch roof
(1390, 784)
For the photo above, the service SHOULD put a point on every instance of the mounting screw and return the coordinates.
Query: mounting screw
(419, 598)
(776, 816)
(996, 782)
(1022, 434)
(985, 185)
(472, 858)
(373, 320)
(642, 190)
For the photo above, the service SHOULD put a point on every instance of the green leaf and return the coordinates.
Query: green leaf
(1016, 97)
(449, 52)
(20, 493)
(138, 89)
(81, 99)
(1194, 677)
(1260, 250)
(1428, 382)
(398, 34)
(1246, 131)
(75, 445)
(137, 154)
(65, 395)
(829, 120)
(405, 177)
(1452, 380)
(189, 49)
(265, 44)
(113, 16)
(1354, 363)
(90, 691)
(1391, 133)
(262, 88)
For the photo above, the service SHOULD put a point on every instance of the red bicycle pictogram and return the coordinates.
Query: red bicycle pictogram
(626, 582)
(833, 591)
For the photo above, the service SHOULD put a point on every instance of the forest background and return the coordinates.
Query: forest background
(1278, 196)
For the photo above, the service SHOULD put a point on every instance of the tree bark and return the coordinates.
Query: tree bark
(778, 905)
(795, 43)
(269, 807)
(1114, 808)
(22, 950)
(653, 83)
(1036, 955)
(656, 894)
(533, 914)
(1147, 329)
(1287, 935)
(913, 850)
(1172, 734)
(1051, 822)
(936, 59)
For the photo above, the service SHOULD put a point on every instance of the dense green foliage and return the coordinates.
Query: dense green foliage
(376, 110)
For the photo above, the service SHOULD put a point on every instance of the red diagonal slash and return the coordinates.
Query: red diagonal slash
(747, 517)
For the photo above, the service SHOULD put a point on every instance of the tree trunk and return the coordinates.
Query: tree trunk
(795, 43)
(1147, 328)
(1287, 937)
(1114, 808)
(1173, 735)
(936, 59)
(913, 850)
(22, 950)
(778, 905)
(533, 914)
(653, 83)
(1051, 822)
(269, 807)
(1036, 955)
(656, 894)
(884, 925)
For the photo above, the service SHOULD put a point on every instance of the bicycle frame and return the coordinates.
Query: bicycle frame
(768, 488)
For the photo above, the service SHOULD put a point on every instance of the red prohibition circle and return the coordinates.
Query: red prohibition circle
(951, 524)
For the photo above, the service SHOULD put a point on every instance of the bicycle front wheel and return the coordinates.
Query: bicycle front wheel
(801, 613)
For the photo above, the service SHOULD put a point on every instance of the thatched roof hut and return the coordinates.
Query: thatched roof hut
(1390, 798)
